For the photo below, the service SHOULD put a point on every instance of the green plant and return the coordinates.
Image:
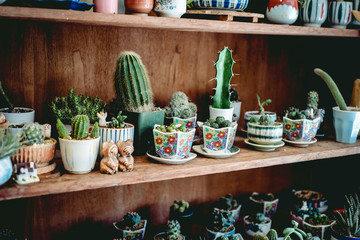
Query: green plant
(65, 108)
(294, 230)
(171, 128)
(266, 120)
(333, 88)
(295, 113)
(258, 218)
(227, 202)
(61, 129)
(79, 128)
(173, 230)
(272, 234)
(219, 122)
(180, 206)
(9, 144)
(260, 237)
(221, 220)
(348, 221)
(224, 74)
(131, 220)
(180, 106)
(95, 131)
(315, 218)
(118, 122)
(262, 104)
(7, 101)
(231, 237)
(132, 84)
(33, 133)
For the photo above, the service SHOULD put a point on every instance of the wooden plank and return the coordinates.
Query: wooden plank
(120, 20)
(149, 171)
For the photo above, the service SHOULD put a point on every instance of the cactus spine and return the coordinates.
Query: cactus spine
(61, 129)
(132, 84)
(333, 88)
(224, 74)
(33, 133)
(80, 126)
(173, 230)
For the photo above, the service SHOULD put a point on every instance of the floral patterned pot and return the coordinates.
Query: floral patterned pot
(268, 207)
(170, 8)
(314, 12)
(266, 135)
(257, 228)
(189, 123)
(219, 140)
(116, 134)
(300, 130)
(214, 235)
(340, 14)
(317, 230)
(235, 212)
(282, 11)
(173, 144)
(130, 235)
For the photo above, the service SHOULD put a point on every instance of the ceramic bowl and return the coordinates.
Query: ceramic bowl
(316, 230)
(267, 205)
(266, 135)
(218, 140)
(257, 228)
(19, 118)
(283, 12)
(129, 235)
(189, 123)
(173, 8)
(173, 144)
(313, 199)
(300, 130)
(221, 4)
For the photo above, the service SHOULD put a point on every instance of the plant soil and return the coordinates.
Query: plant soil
(134, 228)
(17, 110)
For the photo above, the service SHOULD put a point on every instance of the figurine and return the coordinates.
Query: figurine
(109, 164)
(126, 161)
(4, 123)
(26, 172)
(102, 119)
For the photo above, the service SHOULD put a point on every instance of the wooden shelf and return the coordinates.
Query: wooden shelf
(121, 20)
(148, 171)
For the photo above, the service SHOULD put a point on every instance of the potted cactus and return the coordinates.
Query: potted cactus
(134, 97)
(258, 113)
(271, 235)
(265, 130)
(346, 119)
(183, 213)
(317, 224)
(229, 203)
(172, 232)
(80, 149)
(264, 202)
(257, 224)
(181, 110)
(220, 223)
(131, 227)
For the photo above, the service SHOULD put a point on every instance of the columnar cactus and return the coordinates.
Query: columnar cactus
(272, 234)
(266, 120)
(132, 84)
(61, 129)
(227, 202)
(180, 106)
(224, 74)
(95, 131)
(33, 133)
(80, 126)
(222, 220)
(312, 100)
(173, 230)
(131, 219)
(180, 206)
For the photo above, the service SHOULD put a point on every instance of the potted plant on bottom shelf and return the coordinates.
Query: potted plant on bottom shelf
(229, 203)
(265, 203)
(172, 232)
(132, 227)
(221, 222)
(346, 119)
(318, 224)
(257, 224)
(80, 149)
(257, 114)
(184, 214)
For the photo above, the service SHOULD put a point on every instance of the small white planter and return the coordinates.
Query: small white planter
(174, 8)
(346, 124)
(318, 230)
(257, 228)
(216, 112)
(19, 118)
(79, 156)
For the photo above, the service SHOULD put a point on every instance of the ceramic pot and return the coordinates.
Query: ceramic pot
(268, 207)
(162, 235)
(257, 228)
(235, 212)
(301, 129)
(237, 110)
(79, 156)
(129, 235)
(317, 230)
(189, 123)
(218, 140)
(6, 170)
(21, 117)
(173, 8)
(216, 112)
(266, 135)
(339, 14)
(116, 134)
(106, 6)
(282, 11)
(356, 7)
(224, 4)
(214, 235)
(335, 235)
(138, 7)
(314, 12)
(313, 200)
(347, 124)
(249, 114)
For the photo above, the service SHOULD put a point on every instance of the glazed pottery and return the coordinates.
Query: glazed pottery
(138, 7)
(189, 123)
(173, 8)
(106, 6)
(19, 118)
(266, 135)
(163, 236)
(313, 200)
(347, 124)
(214, 235)
(128, 234)
(106, 134)
(268, 207)
(79, 156)
(173, 144)
(317, 230)
(237, 110)
(335, 235)
(339, 14)
(6, 170)
(314, 12)
(225, 4)
(249, 114)
(218, 140)
(235, 212)
(257, 228)
(216, 112)
(301, 129)
(282, 11)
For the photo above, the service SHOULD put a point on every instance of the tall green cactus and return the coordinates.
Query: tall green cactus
(333, 88)
(132, 84)
(272, 234)
(224, 74)
(80, 126)
(33, 133)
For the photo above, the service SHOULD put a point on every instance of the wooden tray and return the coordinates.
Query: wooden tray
(224, 15)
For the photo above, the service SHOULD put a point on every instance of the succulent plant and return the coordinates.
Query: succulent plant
(266, 120)
(95, 131)
(173, 230)
(171, 128)
(227, 202)
(296, 231)
(262, 104)
(231, 237)
(131, 220)
(272, 234)
(9, 144)
(295, 113)
(118, 122)
(257, 218)
(224, 73)
(132, 84)
(260, 237)
(221, 221)
(61, 129)
(33, 133)
(180, 206)
(312, 105)
(219, 122)
(7, 101)
(348, 221)
(79, 128)
(180, 106)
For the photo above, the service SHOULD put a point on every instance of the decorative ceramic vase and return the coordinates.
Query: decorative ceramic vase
(249, 114)
(6, 170)
(138, 7)
(221, 4)
(216, 112)
(266, 135)
(301, 129)
(314, 12)
(106, 134)
(106, 6)
(282, 11)
(266, 206)
(347, 124)
(218, 140)
(257, 228)
(173, 8)
(189, 123)
(317, 230)
(128, 234)
(340, 14)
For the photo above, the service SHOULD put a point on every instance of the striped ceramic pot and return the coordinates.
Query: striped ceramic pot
(221, 4)
(266, 135)
(116, 134)
(314, 12)
(340, 14)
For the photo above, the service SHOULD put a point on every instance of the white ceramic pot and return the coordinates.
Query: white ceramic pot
(340, 14)
(317, 230)
(266, 135)
(79, 156)
(282, 11)
(116, 134)
(249, 114)
(252, 229)
(216, 112)
(314, 12)
(6, 170)
(237, 110)
(19, 118)
(346, 124)
(173, 8)
(128, 234)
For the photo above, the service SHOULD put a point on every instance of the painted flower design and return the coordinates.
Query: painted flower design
(190, 138)
(295, 134)
(159, 141)
(181, 141)
(186, 149)
(217, 144)
(208, 136)
(298, 126)
(221, 135)
(189, 124)
(287, 126)
(171, 139)
(167, 150)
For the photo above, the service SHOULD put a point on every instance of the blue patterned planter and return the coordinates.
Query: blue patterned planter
(221, 4)
(300, 130)
(340, 14)
(116, 134)
(266, 135)
(314, 12)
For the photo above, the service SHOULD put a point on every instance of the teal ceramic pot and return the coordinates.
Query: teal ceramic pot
(6, 170)
(346, 124)
(301, 129)
(340, 14)
(127, 234)
(219, 140)
(162, 234)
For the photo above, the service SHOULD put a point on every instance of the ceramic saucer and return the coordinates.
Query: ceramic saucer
(169, 160)
(263, 147)
(300, 143)
(233, 150)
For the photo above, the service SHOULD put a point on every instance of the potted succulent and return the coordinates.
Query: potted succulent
(317, 224)
(299, 213)
(220, 223)
(257, 114)
(132, 227)
(181, 110)
(172, 232)
(257, 223)
(80, 149)
(183, 213)
(229, 203)
(264, 130)
(134, 97)
(313, 199)
(299, 234)
(265, 202)
(347, 225)
(346, 119)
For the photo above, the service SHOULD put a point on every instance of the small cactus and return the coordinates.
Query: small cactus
(260, 237)
(227, 202)
(95, 131)
(262, 104)
(33, 133)
(222, 220)
(180, 106)
(312, 100)
(180, 206)
(80, 126)
(266, 120)
(173, 230)
(131, 219)
(118, 122)
(62, 131)
(272, 234)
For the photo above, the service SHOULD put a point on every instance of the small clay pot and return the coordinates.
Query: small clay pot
(138, 7)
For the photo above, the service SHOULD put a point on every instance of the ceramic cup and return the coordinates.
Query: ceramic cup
(173, 8)
(347, 125)
(340, 14)
(106, 6)
(282, 11)
(314, 12)
(218, 140)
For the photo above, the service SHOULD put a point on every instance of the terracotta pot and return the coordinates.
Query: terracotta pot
(138, 7)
